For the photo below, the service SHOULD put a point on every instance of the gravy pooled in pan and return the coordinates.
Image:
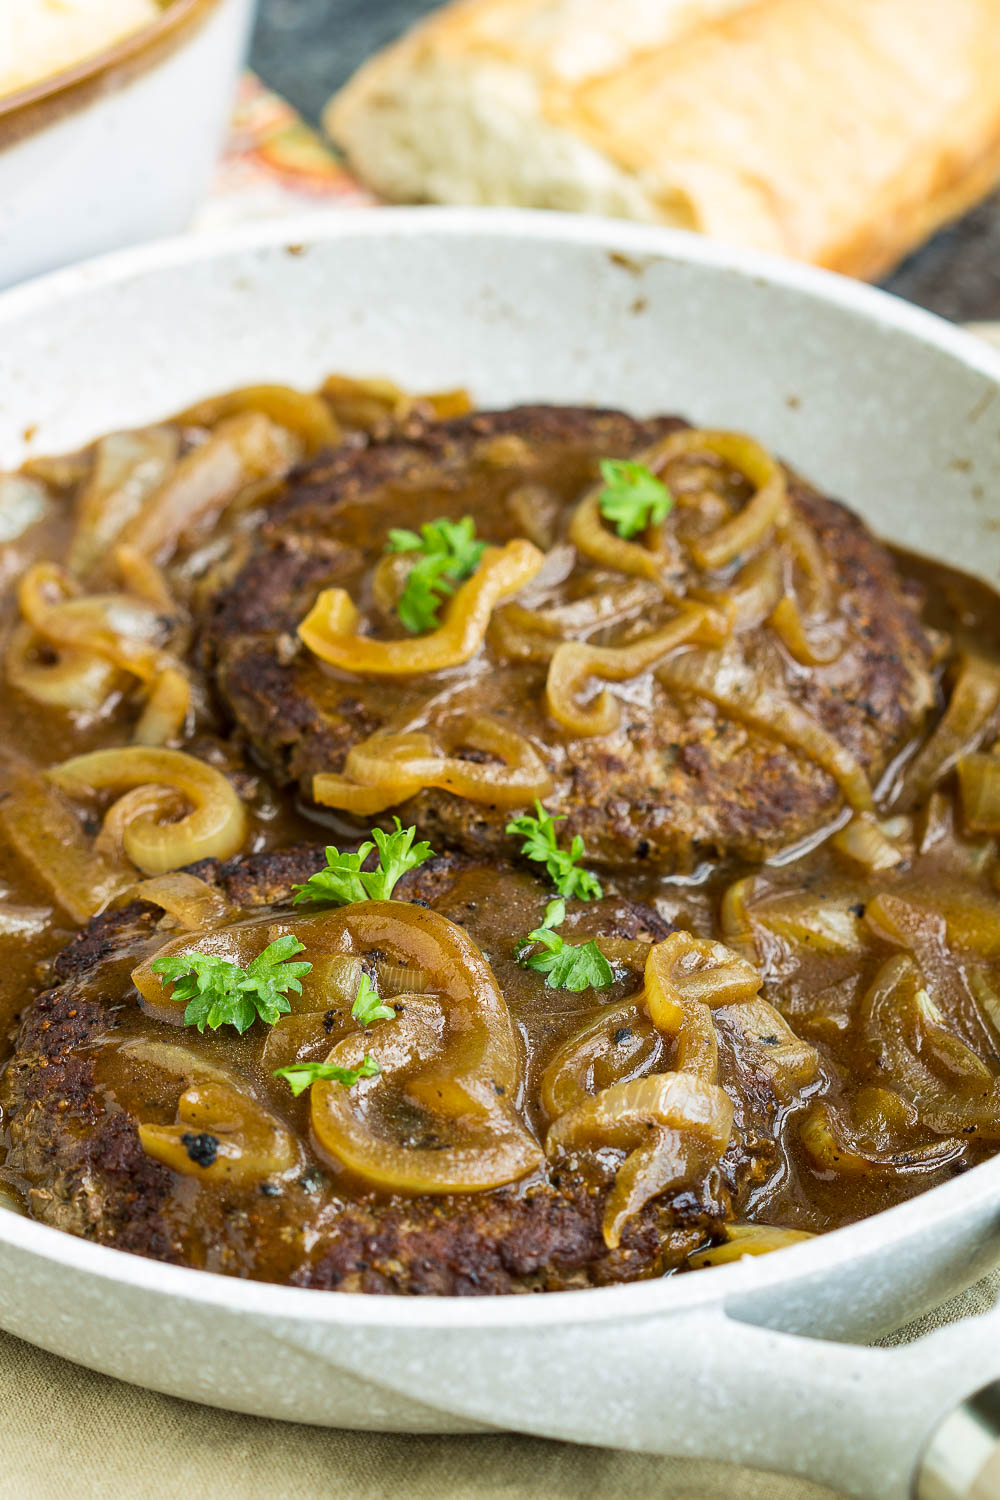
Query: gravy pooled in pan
(482, 852)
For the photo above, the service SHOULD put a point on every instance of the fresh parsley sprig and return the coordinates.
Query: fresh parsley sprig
(633, 498)
(449, 552)
(344, 881)
(563, 865)
(368, 1006)
(566, 966)
(302, 1075)
(220, 993)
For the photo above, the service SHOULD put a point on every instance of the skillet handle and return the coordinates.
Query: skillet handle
(962, 1458)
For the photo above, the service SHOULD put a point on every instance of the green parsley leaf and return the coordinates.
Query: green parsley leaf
(555, 916)
(344, 881)
(220, 993)
(401, 540)
(368, 1005)
(455, 540)
(577, 966)
(427, 587)
(300, 1077)
(566, 966)
(633, 497)
(539, 834)
(450, 553)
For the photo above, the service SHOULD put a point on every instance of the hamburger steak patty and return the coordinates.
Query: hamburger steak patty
(89, 1064)
(688, 774)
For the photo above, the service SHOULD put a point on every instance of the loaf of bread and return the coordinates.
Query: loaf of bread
(839, 131)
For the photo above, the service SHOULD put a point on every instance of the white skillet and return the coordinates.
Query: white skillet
(878, 402)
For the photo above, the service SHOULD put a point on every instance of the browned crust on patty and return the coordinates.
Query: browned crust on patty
(84, 1170)
(677, 785)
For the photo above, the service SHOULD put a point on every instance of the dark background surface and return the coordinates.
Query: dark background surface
(306, 48)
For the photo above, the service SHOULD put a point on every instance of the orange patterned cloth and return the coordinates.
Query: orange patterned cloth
(273, 163)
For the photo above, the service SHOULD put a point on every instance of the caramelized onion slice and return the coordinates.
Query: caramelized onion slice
(839, 1146)
(128, 467)
(756, 590)
(331, 984)
(125, 631)
(617, 1042)
(867, 842)
(728, 682)
(519, 634)
(245, 1141)
(951, 1087)
(810, 646)
(828, 924)
(979, 784)
(454, 967)
(478, 1143)
(575, 662)
(955, 914)
(690, 1120)
(814, 584)
(972, 710)
(748, 1239)
(143, 579)
(593, 540)
(734, 917)
(374, 404)
(215, 828)
(156, 802)
(386, 769)
(766, 507)
(769, 1046)
(47, 835)
(192, 902)
(672, 1124)
(242, 449)
(685, 978)
(665, 1161)
(450, 1063)
(94, 638)
(76, 680)
(741, 534)
(308, 416)
(685, 968)
(167, 710)
(330, 629)
(50, 655)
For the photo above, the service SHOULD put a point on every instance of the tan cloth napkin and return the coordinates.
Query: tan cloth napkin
(67, 1434)
(988, 331)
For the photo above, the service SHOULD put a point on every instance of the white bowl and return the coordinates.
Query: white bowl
(119, 148)
(879, 403)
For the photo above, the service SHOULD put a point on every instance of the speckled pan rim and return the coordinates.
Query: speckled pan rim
(729, 1284)
(127, 51)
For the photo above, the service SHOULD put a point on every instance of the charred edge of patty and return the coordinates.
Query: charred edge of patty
(87, 1172)
(545, 1239)
(89, 1176)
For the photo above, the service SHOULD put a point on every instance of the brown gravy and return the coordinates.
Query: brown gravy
(809, 915)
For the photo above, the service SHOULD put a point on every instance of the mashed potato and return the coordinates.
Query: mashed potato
(42, 37)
